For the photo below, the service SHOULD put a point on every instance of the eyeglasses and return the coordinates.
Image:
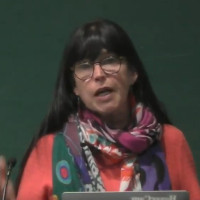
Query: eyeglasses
(85, 70)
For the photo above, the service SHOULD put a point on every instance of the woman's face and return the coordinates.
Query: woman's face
(106, 94)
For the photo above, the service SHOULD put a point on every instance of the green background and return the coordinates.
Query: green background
(33, 33)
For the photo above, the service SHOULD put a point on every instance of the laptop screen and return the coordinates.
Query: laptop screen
(142, 195)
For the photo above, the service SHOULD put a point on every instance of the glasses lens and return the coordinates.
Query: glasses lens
(84, 70)
(110, 65)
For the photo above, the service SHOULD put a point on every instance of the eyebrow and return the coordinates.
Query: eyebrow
(99, 58)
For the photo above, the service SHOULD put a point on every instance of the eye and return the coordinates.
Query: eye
(110, 61)
(84, 66)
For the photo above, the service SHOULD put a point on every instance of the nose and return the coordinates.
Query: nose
(98, 73)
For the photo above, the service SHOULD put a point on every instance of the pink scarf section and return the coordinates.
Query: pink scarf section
(137, 138)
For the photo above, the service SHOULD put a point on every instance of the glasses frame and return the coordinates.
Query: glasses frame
(100, 64)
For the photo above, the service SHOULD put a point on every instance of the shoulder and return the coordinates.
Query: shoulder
(43, 147)
(45, 140)
(41, 153)
(172, 134)
(173, 140)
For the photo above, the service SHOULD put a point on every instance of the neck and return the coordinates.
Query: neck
(118, 120)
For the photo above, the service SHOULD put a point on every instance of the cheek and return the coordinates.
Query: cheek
(83, 93)
(78, 88)
(87, 100)
(125, 82)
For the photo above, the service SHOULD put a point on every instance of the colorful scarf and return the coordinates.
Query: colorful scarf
(137, 147)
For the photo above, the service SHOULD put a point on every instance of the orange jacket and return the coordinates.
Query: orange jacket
(37, 179)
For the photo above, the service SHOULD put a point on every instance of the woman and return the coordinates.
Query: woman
(106, 130)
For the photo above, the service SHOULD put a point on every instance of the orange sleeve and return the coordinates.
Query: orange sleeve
(36, 180)
(180, 162)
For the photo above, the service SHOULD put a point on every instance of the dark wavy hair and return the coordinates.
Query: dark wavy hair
(87, 42)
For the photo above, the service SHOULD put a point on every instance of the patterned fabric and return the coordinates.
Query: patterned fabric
(118, 143)
(153, 169)
(137, 149)
(143, 131)
(65, 173)
(88, 170)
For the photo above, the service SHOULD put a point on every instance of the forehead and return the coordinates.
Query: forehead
(102, 55)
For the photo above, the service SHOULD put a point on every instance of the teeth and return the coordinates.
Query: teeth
(103, 93)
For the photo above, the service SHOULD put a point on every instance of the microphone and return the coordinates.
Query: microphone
(11, 164)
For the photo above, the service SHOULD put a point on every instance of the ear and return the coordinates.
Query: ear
(76, 92)
(133, 78)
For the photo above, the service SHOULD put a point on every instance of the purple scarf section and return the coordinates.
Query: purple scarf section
(153, 170)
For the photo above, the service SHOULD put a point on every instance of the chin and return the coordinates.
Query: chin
(107, 110)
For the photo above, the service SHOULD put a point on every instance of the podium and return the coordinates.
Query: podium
(141, 195)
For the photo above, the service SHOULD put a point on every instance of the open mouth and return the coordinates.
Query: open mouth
(103, 91)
